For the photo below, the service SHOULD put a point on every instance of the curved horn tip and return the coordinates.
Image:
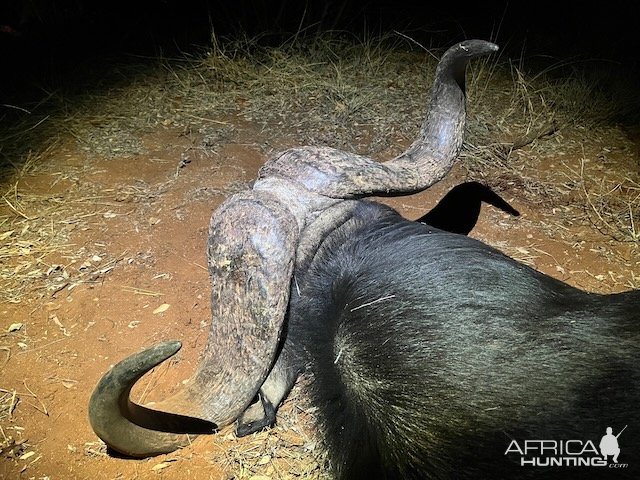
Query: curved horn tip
(119, 379)
(164, 349)
(136, 365)
(475, 47)
(110, 400)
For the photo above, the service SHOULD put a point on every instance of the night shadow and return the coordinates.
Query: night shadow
(459, 210)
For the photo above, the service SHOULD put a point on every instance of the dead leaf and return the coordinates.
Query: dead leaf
(56, 320)
(160, 466)
(66, 383)
(162, 308)
(59, 324)
(27, 455)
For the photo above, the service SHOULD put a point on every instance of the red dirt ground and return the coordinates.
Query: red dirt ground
(157, 232)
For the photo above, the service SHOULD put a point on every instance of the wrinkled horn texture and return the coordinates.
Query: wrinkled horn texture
(337, 174)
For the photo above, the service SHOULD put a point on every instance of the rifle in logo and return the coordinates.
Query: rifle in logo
(609, 444)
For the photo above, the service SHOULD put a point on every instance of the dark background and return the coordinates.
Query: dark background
(44, 41)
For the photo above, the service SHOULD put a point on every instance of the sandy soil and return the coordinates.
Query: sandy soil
(143, 240)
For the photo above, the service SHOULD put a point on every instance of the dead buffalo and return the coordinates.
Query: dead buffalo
(430, 351)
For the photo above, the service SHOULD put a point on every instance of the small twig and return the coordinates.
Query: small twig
(8, 350)
(588, 196)
(13, 404)
(141, 291)
(44, 408)
(43, 346)
(415, 42)
(24, 131)
(34, 461)
(16, 210)
(218, 122)
(96, 452)
(16, 108)
(199, 266)
(635, 235)
(547, 130)
(548, 254)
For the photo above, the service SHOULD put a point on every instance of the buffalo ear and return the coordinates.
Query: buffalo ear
(259, 415)
(459, 209)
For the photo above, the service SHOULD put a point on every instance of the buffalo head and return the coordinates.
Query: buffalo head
(254, 243)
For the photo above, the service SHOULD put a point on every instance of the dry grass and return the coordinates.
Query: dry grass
(287, 451)
(36, 256)
(612, 200)
(12, 444)
(325, 90)
(523, 125)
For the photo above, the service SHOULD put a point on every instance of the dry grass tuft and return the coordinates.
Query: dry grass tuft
(523, 127)
(364, 96)
(287, 451)
(36, 256)
(612, 201)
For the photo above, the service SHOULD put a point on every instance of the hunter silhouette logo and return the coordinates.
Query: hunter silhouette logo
(609, 444)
